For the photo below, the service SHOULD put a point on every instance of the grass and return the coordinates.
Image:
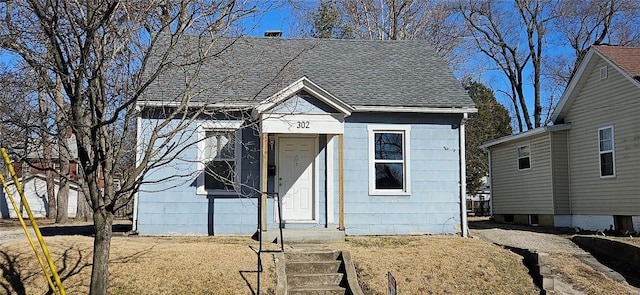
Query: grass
(437, 265)
(226, 265)
(584, 278)
(142, 265)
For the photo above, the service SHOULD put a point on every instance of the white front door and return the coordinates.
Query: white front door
(295, 177)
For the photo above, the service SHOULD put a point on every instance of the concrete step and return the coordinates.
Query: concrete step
(314, 280)
(304, 236)
(311, 267)
(318, 291)
(313, 256)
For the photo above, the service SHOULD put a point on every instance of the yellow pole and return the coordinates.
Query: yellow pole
(36, 229)
(26, 232)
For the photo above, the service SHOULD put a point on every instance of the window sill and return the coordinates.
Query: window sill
(389, 193)
(216, 193)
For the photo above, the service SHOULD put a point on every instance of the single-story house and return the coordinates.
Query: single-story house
(35, 190)
(361, 137)
(582, 171)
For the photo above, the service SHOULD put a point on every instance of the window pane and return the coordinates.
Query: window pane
(606, 164)
(605, 145)
(219, 175)
(227, 146)
(210, 145)
(524, 163)
(219, 145)
(388, 146)
(389, 176)
(606, 139)
(523, 151)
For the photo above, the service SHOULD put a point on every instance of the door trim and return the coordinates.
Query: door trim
(316, 179)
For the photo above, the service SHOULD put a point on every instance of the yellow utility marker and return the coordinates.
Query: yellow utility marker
(36, 229)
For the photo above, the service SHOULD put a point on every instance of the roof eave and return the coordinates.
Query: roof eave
(523, 135)
(564, 102)
(402, 109)
(303, 84)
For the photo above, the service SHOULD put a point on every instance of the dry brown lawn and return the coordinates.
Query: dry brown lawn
(583, 277)
(226, 265)
(142, 265)
(437, 265)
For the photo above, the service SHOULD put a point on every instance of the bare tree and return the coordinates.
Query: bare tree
(498, 33)
(593, 22)
(436, 21)
(106, 53)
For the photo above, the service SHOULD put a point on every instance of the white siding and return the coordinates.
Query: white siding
(522, 191)
(613, 101)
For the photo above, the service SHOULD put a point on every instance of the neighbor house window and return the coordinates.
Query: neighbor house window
(524, 157)
(219, 150)
(389, 172)
(606, 149)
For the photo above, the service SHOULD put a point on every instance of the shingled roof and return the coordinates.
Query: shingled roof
(359, 72)
(625, 57)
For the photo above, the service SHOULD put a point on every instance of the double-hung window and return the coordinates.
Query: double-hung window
(606, 151)
(389, 172)
(524, 157)
(219, 151)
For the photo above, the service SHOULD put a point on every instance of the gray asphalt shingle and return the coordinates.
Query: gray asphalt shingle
(359, 72)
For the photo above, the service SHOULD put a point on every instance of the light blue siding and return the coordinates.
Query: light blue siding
(434, 203)
(173, 207)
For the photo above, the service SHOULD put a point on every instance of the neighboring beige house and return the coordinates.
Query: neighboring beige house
(584, 170)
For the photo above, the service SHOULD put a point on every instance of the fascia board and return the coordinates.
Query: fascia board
(527, 134)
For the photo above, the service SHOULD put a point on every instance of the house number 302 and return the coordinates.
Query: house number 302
(303, 124)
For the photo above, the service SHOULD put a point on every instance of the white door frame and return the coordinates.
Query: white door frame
(316, 178)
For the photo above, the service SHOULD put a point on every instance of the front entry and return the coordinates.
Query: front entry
(296, 178)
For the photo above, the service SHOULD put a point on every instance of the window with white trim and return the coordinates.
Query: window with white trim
(219, 153)
(606, 152)
(524, 157)
(389, 171)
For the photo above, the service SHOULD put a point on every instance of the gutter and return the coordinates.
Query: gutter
(463, 179)
(434, 110)
(528, 133)
(134, 225)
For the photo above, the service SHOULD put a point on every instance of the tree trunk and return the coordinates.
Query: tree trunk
(46, 155)
(83, 211)
(63, 156)
(63, 191)
(103, 221)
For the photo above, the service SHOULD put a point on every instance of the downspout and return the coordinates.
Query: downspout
(463, 179)
(490, 184)
(134, 227)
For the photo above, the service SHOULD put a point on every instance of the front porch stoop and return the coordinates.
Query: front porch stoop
(304, 236)
(316, 272)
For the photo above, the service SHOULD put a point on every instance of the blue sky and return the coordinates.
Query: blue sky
(278, 18)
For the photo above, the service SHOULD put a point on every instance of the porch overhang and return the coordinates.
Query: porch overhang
(303, 84)
(302, 123)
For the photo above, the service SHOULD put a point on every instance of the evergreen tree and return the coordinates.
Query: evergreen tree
(328, 22)
(490, 122)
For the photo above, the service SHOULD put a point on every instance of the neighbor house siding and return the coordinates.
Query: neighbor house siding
(434, 203)
(517, 191)
(560, 172)
(600, 103)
